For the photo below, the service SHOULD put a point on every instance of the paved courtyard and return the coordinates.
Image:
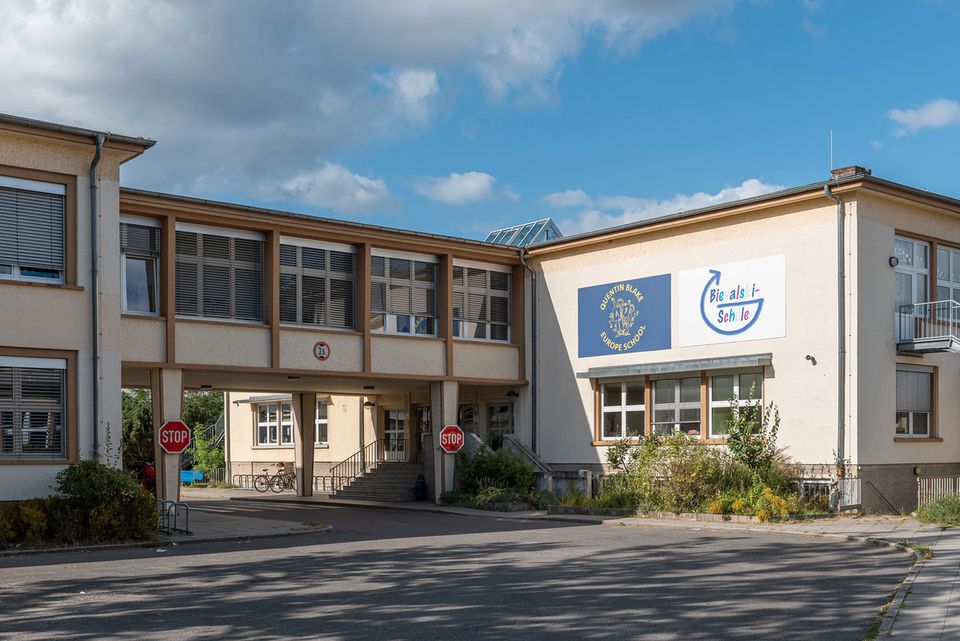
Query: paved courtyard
(391, 574)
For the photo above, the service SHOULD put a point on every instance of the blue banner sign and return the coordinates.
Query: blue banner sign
(624, 316)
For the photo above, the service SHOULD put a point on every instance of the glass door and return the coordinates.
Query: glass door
(421, 426)
(499, 422)
(394, 431)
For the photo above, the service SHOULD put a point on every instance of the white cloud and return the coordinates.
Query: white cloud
(611, 211)
(461, 189)
(568, 198)
(932, 115)
(335, 187)
(240, 98)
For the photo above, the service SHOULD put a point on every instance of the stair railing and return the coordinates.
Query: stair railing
(367, 459)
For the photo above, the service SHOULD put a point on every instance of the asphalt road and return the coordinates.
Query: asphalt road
(392, 575)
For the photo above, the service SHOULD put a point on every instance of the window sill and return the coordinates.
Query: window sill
(36, 461)
(421, 337)
(917, 439)
(137, 316)
(484, 341)
(30, 283)
(222, 321)
(315, 329)
(321, 446)
(273, 447)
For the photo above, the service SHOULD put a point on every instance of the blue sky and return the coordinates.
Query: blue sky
(457, 117)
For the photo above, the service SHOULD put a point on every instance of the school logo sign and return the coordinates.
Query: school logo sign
(732, 302)
(624, 316)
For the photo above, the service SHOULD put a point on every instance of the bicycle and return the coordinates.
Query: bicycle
(276, 482)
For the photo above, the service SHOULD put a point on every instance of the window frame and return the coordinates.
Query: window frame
(911, 270)
(725, 403)
(324, 421)
(677, 405)
(22, 360)
(465, 289)
(622, 408)
(20, 180)
(910, 434)
(275, 424)
(327, 274)
(390, 317)
(139, 255)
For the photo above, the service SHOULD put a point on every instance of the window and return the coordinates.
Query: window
(316, 286)
(622, 409)
(31, 230)
(746, 387)
(948, 279)
(467, 418)
(912, 272)
(268, 425)
(32, 408)
(676, 405)
(140, 252)
(219, 276)
(481, 304)
(322, 420)
(499, 422)
(914, 406)
(403, 296)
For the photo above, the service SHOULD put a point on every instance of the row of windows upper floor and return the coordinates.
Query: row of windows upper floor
(221, 274)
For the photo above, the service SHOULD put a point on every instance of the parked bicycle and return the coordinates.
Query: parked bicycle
(276, 482)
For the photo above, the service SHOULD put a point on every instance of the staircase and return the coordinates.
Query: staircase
(388, 482)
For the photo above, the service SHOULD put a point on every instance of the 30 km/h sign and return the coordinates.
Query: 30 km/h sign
(174, 437)
(451, 439)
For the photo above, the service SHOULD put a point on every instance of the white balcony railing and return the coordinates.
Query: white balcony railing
(929, 327)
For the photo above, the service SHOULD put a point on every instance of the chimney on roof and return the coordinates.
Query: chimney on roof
(852, 170)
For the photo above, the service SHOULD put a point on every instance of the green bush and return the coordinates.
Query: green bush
(943, 511)
(501, 469)
(108, 504)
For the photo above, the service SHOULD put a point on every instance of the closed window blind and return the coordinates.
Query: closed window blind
(219, 277)
(139, 240)
(32, 402)
(914, 391)
(317, 286)
(31, 233)
(402, 291)
(481, 303)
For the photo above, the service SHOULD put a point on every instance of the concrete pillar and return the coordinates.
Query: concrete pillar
(166, 394)
(304, 417)
(444, 398)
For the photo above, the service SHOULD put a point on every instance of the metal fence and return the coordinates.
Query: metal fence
(931, 488)
(173, 517)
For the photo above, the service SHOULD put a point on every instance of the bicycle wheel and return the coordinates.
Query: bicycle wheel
(276, 484)
(261, 483)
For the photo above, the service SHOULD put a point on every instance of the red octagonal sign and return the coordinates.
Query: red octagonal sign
(451, 439)
(174, 437)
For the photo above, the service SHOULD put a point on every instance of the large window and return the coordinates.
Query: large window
(274, 424)
(623, 410)
(481, 303)
(322, 421)
(403, 296)
(914, 401)
(316, 286)
(912, 272)
(948, 279)
(31, 230)
(747, 388)
(219, 276)
(676, 405)
(140, 253)
(32, 408)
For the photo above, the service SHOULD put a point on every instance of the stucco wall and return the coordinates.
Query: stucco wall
(236, 345)
(402, 355)
(804, 393)
(143, 339)
(484, 360)
(296, 350)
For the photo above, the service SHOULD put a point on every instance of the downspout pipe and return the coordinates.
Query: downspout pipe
(841, 328)
(95, 289)
(534, 341)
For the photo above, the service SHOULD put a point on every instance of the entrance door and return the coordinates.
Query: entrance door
(499, 422)
(421, 426)
(394, 433)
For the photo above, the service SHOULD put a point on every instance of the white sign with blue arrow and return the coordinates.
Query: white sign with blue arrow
(740, 301)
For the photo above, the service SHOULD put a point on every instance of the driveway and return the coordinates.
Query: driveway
(387, 574)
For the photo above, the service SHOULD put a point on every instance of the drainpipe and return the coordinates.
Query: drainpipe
(95, 291)
(535, 339)
(841, 328)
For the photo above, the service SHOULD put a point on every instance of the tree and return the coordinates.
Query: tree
(136, 437)
(200, 409)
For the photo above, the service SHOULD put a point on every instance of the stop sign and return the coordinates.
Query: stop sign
(174, 437)
(451, 439)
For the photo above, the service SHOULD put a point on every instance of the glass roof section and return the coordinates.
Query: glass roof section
(524, 235)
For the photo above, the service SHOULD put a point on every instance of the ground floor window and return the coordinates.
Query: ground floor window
(468, 418)
(321, 433)
(623, 410)
(32, 408)
(747, 388)
(676, 405)
(274, 424)
(914, 401)
(499, 422)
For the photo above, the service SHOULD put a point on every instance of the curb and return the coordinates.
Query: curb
(407, 507)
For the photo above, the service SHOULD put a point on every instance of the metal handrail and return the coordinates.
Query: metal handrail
(372, 455)
(927, 321)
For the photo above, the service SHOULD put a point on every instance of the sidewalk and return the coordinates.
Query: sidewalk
(926, 607)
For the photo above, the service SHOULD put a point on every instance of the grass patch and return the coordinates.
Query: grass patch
(925, 551)
(315, 523)
(944, 511)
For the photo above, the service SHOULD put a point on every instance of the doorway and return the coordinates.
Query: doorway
(394, 435)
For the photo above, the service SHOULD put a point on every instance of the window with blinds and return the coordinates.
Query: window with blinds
(219, 276)
(31, 230)
(914, 415)
(403, 296)
(481, 304)
(139, 257)
(32, 412)
(317, 286)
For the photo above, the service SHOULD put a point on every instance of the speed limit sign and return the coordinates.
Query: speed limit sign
(321, 351)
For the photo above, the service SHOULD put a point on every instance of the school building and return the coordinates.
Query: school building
(345, 347)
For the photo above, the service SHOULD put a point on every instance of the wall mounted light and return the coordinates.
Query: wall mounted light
(369, 404)
(813, 360)
(512, 394)
(894, 261)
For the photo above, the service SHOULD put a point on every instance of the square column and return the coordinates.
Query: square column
(166, 395)
(304, 418)
(444, 398)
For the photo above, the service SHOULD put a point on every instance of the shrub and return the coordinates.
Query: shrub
(752, 433)
(105, 503)
(501, 469)
(943, 511)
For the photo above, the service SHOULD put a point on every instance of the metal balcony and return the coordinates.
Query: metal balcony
(925, 328)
